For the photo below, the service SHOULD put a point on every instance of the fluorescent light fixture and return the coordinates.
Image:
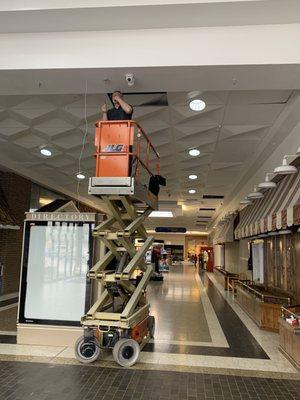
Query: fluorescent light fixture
(161, 214)
(267, 184)
(192, 191)
(197, 105)
(46, 152)
(193, 177)
(80, 175)
(285, 168)
(194, 152)
(44, 201)
(255, 194)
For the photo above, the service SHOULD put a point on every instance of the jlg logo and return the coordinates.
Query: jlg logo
(114, 148)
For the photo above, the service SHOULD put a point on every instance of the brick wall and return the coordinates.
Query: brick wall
(17, 193)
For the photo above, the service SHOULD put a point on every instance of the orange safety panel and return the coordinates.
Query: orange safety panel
(140, 331)
(115, 139)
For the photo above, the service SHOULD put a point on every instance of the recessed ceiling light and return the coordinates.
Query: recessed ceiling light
(46, 152)
(80, 175)
(193, 177)
(192, 191)
(161, 214)
(194, 152)
(197, 105)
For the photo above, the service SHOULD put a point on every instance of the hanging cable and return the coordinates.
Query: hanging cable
(83, 140)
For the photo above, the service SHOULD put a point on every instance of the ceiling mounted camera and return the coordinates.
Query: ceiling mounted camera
(130, 79)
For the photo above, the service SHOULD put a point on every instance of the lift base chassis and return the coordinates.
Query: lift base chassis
(119, 319)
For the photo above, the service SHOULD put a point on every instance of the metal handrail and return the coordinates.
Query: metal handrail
(284, 309)
(263, 296)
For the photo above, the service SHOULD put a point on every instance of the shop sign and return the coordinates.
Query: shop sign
(165, 229)
(63, 216)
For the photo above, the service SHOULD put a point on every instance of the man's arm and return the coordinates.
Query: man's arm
(125, 106)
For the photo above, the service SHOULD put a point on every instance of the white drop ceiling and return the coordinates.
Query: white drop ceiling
(228, 133)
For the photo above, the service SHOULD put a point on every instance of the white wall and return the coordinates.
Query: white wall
(218, 255)
(171, 239)
(236, 258)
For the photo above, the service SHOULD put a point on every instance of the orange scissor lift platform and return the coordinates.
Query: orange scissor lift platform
(120, 318)
(125, 160)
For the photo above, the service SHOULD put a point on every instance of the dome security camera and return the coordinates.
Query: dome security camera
(130, 79)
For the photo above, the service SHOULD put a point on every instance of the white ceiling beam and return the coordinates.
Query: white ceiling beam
(79, 15)
(213, 46)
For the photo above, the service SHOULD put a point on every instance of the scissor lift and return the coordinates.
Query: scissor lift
(119, 319)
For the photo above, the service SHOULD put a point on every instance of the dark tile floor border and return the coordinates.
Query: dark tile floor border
(241, 342)
(28, 381)
(10, 339)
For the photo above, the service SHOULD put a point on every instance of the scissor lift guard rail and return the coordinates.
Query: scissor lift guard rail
(120, 319)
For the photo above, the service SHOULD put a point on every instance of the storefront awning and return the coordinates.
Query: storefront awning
(224, 230)
(7, 220)
(279, 208)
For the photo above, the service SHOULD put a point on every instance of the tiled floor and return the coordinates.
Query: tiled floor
(29, 381)
(177, 307)
(203, 341)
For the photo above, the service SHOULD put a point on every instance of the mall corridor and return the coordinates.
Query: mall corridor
(149, 200)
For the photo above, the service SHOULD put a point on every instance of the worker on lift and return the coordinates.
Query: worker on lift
(121, 110)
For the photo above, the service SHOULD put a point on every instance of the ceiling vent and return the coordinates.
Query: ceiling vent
(207, 209)
(213, 196)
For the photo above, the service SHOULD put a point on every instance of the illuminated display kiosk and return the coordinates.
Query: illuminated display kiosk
(54, 292)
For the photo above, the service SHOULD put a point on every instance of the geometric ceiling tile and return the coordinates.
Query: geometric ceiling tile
(10, 127)
(33, 107)
(54, 126)
(198, 139)
(259, 96)
(59, 161)
(160, 137)
(241, 132)
(141, 113)
(71, 140)
(211, 115)
(232, 151)
(225, 165)
(252, 114)
(88, 152)
(29, 141)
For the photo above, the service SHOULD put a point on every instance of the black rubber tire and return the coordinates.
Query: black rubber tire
(86, 352)
(151, 326)
(126, 352)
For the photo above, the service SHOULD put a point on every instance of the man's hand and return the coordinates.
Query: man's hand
(117, 99)
(104, 108)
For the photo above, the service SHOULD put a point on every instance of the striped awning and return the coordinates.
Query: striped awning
(279, 208)
(224, 230)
